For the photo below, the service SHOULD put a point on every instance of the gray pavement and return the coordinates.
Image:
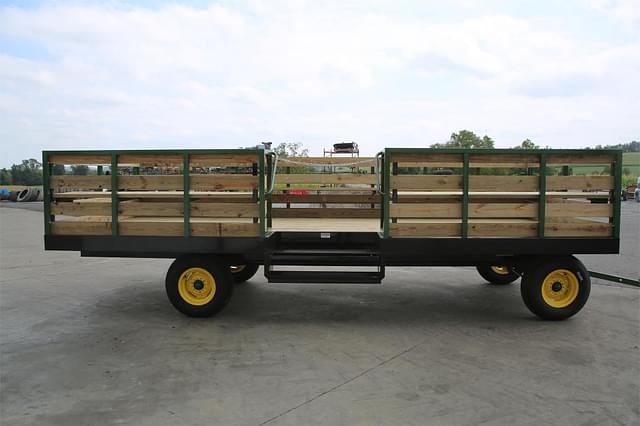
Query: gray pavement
(89, 341)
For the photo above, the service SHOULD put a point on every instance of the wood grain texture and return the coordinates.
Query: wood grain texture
(80, 182)
(579, 210)
(555, 183)
(327, 199)
(578, 229)
(319, 213)
(70, 159)
(68, 227)
(424, 230)
(426, 182)
(326, 178)
(503, 210)
(480, 183)
(223, 160)
(82, 209)
(577, 158)
(424, 210)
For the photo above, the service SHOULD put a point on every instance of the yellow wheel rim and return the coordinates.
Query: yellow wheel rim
(500, 270)
(560, 288)
(237, 268)
(197, 286)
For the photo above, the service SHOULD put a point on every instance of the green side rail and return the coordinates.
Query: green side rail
(186, 155)
(542, 154)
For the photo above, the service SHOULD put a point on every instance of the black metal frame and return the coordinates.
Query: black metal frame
(393, 252)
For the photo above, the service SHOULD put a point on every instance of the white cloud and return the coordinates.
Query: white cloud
(233, 75)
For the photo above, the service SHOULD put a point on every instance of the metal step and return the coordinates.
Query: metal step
(329, 257)
(325, 277)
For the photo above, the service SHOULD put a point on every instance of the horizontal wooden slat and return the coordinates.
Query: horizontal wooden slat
(221, 182)
(151, 228)
(444, 210)
(148, 160)
(503, 229)
(224, 210)
(213, 182)
(71, 159)
(327, 198)
(325, 213)
(325, 178)
(68, 227)
(426, 182)
(295, 161)
(158, 209)
(578, 229)
(504, 160)
(579, 210)
(577, 158)
(425, 158)
(579, 182)
(503, 210)
(226, 160)
(424, 229)
(83, 182)
(204, 229)
(503, 183)
(81, 209)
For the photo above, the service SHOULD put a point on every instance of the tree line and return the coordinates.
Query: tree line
(29, 172)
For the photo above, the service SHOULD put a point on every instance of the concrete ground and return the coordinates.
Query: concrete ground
(89, 341)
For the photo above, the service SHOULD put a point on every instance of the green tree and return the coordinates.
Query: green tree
(291, 149)
(527, 144)
(80, 170)
(27, 173)
(466, 139)
(57, 169)
(5, 177)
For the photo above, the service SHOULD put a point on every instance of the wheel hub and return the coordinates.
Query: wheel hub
(197, 286)
(560, 288)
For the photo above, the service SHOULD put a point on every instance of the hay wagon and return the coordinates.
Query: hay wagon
(222, 213)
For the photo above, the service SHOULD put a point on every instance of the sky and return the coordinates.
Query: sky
(228, 74)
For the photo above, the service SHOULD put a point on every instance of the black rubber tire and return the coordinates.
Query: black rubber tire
(531, 288)
(494, 278)
(245, 274)
(223, 280)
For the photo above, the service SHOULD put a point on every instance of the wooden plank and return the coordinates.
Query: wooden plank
(504, 160)
(222, 229)
(83, 182)
(578, 229)
(327, 225)
(224, 210)
(424, 229)
(327, 199)
(479, 183)
(425, 160)
(579, 210)
(211, 195)
(217, 182)
(577, 158)
(335, 213)
(70, 159)
(426, 182)
(326, 178)
(162, 209)
(440, 210)
(68, 227)
(150, 182)
(151, 228)
(214, 182)
(81, 209)
(294, 161)
(503, 210)
(503, 229)
(151, 160)
(223, 160)
(579, 182)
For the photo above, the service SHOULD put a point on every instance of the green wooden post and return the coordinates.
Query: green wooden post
(386, 185)
(46, 174)
(616, 171)
(114, 194)
(465, 195)
(261, 182)
(542, 196)
(186, 193)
